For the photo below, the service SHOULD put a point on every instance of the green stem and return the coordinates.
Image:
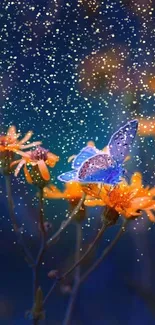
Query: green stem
(74, 292)
(105, 252)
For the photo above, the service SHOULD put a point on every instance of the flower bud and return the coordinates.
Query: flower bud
(110, 215)
(66, 289)
(53, 274)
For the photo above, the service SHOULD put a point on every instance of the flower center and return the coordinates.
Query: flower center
(3, 140)
(39, 154)
(120, 199)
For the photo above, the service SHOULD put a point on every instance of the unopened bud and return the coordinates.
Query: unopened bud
(66, 289)
(53, 274)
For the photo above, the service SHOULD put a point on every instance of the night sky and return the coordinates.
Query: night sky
(73, 71)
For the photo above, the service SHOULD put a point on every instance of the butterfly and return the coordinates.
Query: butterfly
(94, 166)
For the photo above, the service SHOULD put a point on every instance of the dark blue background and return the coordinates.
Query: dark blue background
(40, 58)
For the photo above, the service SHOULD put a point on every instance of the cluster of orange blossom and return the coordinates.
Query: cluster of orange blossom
(126, 199)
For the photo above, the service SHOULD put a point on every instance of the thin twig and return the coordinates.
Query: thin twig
(42, 244)
(42, 227)
(41, 250)
(88, 251)
(56, 236)
(66, 223)
(50, 291)
(17, 230)
(74, 292)
(10, 203)
(105, 252)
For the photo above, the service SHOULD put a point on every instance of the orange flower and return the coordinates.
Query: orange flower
(9, 145)
(72, 192)
(146, 127)
(38, 159)
(127, 199)
(10, 142)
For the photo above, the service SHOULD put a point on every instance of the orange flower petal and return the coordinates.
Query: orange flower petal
(43, 170)
(52, 193)
(71, 158)
(11, 133)
(129, 213)
(15, 162)
(91, 143)
(52, 159)
(141, 203)
(94, 203)
(18, 168)
(152, 191)
(26, 137)
(106, 150)
(52, 156)
(24, 154)
(27, 175)
(150, 215)
(73, 190)
(136, 180)
(2, 148)
(127, 158)
(30, 145)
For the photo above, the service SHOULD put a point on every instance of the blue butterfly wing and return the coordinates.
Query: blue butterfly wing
(68, 176)
(122, 140)
(97, 177)
(100, 169)
(110, 175)
(84, 154)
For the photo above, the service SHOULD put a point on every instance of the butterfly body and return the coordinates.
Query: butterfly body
(94, 166)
